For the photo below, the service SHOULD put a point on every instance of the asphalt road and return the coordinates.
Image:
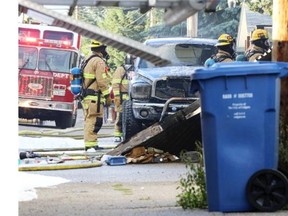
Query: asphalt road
(139, 189)
(132, 189)
(106, 190)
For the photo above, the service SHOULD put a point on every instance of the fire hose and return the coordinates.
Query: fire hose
(60, 133)
(60, 158)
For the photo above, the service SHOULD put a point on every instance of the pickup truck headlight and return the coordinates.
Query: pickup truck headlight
(141, 91)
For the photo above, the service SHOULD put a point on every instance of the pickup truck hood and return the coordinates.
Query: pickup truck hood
(172, 71)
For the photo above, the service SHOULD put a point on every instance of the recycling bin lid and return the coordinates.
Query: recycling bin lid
(239, 69)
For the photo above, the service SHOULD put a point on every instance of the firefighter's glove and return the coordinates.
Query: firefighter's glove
(108, 100)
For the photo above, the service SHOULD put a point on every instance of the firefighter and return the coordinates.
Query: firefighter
(96, 84)
(109, 104)
(260, 49)
(120, 84)
(241, 58)
(226, 50)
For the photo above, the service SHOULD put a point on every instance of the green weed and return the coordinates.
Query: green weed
(193, 184)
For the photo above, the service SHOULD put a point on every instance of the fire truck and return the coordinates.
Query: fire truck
(45, 56)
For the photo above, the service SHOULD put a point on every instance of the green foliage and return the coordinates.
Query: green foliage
(90, 15)
(224, 20)
(193, 184)
(163, 30)
(125, 23)
(156, 27)
(128, 23)
(261, 6)
(85, 42)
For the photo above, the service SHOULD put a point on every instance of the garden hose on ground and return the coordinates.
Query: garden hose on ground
(105, 148)
(57, 160)
(60, 133)
(71, 157)
(62, 166)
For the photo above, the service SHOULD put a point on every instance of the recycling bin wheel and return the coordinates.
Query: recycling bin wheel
(267, 190)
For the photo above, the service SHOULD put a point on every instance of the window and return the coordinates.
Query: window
(27, 57)
(57, 60)
(56, 35)
(27, 32)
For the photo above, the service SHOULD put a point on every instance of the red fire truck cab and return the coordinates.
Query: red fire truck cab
(45, 56)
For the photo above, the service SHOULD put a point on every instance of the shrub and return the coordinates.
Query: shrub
(193, 184)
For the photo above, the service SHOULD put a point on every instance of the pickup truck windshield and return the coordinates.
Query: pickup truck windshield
(184, 54)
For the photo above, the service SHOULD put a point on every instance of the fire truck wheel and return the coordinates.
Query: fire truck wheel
(64, 120)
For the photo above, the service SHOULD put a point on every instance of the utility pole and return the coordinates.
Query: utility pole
(152, 19)
(280, 50)
(192, 25)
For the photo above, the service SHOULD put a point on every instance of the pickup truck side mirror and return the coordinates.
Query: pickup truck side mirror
(130, 59)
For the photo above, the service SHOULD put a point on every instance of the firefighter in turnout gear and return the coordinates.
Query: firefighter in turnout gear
(226, 50)
(120, 84)
(96, 85)
(259, 49)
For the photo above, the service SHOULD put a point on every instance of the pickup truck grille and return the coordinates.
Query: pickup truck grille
(35, 86)
(166, 89)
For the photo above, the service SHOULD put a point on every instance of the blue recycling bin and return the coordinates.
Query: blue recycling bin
(240, 124)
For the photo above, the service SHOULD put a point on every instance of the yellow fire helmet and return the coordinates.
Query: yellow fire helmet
(225, 39)
(259, 34)
(96, 44)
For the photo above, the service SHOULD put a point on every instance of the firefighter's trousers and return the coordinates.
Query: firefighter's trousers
(93, 121)
(118, 121)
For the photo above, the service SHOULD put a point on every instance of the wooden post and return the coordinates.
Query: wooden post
(247, 42)
(280, 49)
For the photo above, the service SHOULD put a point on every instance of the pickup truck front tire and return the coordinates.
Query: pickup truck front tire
(130, 125)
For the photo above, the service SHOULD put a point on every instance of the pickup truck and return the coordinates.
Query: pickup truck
(155, 92)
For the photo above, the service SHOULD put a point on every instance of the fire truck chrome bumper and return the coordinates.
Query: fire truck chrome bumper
(48, 105)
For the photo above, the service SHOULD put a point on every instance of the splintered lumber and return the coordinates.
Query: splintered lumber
(174, 134)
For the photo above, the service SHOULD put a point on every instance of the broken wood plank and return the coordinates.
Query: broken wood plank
(175, 133)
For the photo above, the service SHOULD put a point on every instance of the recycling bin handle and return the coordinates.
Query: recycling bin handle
(284, 72)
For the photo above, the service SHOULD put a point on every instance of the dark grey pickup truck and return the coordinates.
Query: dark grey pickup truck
(155, 92)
